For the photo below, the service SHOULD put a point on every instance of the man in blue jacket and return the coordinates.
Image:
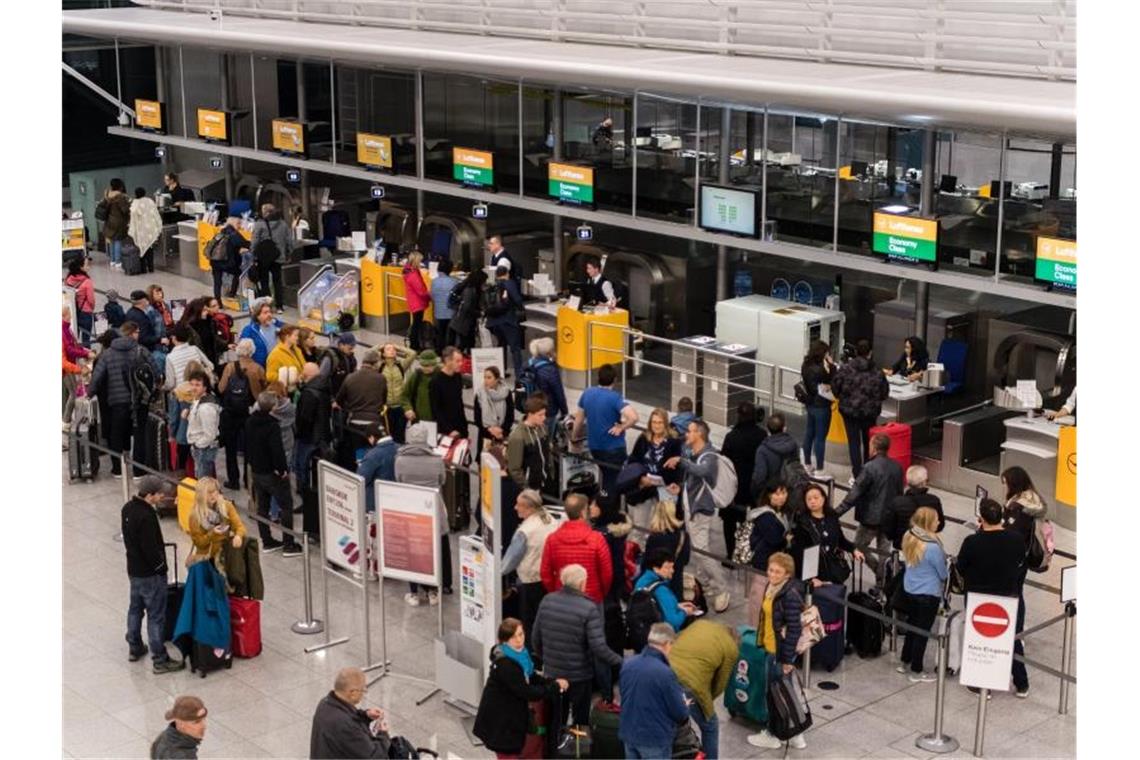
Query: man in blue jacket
(652, 703)
(379, 462)
(659, 569)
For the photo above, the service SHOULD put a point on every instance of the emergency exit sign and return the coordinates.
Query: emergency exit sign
(473, 167)
(569, 183)
(905, 238)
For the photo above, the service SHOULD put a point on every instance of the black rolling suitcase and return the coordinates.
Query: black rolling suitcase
(156, 449)
(828, 653)
(132, 258)
(310, 506)
(205, 659)
(864, 633)
(174, 592)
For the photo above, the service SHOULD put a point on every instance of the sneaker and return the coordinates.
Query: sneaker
(797, 742)
(821, 475)
(851, 481)
(765, 740)
(412, 600)
(169, 666)
(1022, 693)
(922, 677)
(720, 601)
(270, 545)
(291, 549)
(433, 598)
(903, 668)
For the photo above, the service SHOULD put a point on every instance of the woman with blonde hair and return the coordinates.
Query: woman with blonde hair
(418, 298)
(667, 531)
(213, 521)
(654, 447)
(923, 581)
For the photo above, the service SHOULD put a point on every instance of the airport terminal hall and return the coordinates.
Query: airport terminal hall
(575, 379)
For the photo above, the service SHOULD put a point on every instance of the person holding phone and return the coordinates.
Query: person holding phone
(213, 521)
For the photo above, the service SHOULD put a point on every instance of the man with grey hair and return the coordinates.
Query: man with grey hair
(652, 702)
(241, 382)
(542, 371)
(896, 520)
(524, 553)
(265, 455)
(341, 729)
(568, 636)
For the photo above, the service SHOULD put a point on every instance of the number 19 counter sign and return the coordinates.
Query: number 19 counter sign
(572, 184)
(905, 238)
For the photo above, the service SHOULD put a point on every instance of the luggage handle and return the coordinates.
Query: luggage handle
(175, 553)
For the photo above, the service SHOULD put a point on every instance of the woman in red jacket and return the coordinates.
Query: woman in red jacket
(418, 297)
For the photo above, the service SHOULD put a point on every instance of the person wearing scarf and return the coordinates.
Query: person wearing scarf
(923, 581)
(494, 408)
(779, 632)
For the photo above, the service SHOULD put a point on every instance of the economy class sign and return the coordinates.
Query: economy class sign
(473, 167)
(905, 237)
(1057, 261)
(567, 182)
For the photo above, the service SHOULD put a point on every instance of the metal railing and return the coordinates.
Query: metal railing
(1030, 38)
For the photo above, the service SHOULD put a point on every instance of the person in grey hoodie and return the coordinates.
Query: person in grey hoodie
(286, 415)
(418, 464)
(875, 489)
(271, 227)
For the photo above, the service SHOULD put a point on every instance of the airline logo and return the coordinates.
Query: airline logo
(1057, 261)
(567, 182)
(212, 124)
(374, 150)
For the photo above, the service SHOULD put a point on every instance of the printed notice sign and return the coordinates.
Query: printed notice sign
(409, 532)
(342, 506)
(987, 646)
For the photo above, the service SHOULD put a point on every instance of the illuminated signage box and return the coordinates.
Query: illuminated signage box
(289, 137)
(213, 125)
(473, 167)
(571, 184)
(906, 239)
(1057, 262)
(374, 151)
(150, 115)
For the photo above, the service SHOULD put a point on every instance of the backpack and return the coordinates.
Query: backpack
(217, 249)
(528, 382)
(724, 490)
(742, 549)
(237, 398)
(1041, 546)
(143, 380)
(102, 210)
(493, 305)
(266, 251)
(640, 615)
(794, 475)
(114, 313)
(455, 297)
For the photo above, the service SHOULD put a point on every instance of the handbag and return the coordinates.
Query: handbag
(629, 479)
(686, 745)
(811, 632)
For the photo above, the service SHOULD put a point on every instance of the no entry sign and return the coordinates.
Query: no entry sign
(987, 646)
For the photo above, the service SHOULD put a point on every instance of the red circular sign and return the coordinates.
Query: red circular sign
(990, 620)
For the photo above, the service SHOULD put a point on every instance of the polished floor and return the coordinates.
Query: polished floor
(263, 706)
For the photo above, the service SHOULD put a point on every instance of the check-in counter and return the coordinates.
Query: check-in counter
(907, 404)
(541, 321)
(1033, 444)
(382, 292)
(574, 359)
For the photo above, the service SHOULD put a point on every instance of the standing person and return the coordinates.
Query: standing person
(262, 329)
(660, 570)
(607, 416)
(502, 303)
(397, 360)
(816, 372)
(923, 582)
(271, 244)
(524, 553)
(575, 543)
(667, 531)
(528, 451)
(465, 320)
(913, 360)
(418, 299)
(307, 345)
(184, 732)
(180, 356)
(818, 525)
(740, 446)
(547, 379)
(285, 361)
(80, 281)
(139, 313)
(861, 390)
(203, 419)
(212, 522)
(146, 569)
(875, 489)
(441, 288)
(500, 258)
(230, 263)
(313, 429)
(285, 412)
(896, 520)
(158, 301)
(1023, 508)
(202, 328)
(112, 383)
(416, 397)
(657, 445)
(777, 449)
(685, 415)
(504, 709)
(115, 212)
(416, 463)
(599, 289)
(770, 523)
(992, 561)
(569, 636)
(341, 729)
(445, 393)
(378, 462)
(241, 383)
(703, 658)
(494, 409)
(73, 355)
(361, 401)
(699, 469)
(652, 701)
(338, 361)
(145, 227)
(779, 632)
(178, 194)
(265, 455)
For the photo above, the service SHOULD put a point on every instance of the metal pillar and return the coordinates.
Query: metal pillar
(750, 138)
(980, 723)
(308, 625)
(556, 130)
(723, 158)
(160, 94)
(227, 161)
(332, 106)
(182, 90)
(1066, 656)
(420, 160)
(1055, 171)
(306, 206)
(119, 83)
(926, 209)
(1001, 208)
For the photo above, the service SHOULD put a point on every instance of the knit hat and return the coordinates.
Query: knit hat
(417, 435)
(428, 358)
(346, 339)
(152, 484)
(187, 708)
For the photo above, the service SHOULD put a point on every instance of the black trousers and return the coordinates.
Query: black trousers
(219, 276)
(416, 331)
(233, 440)
(264, 274)
(396, 422)
(268, 486)
(731, 517)
(858, 431)
(530, 596)
(577, 698)
(120, 426)
(921, 611)
(442, 333)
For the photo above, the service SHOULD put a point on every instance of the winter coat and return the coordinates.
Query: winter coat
(815, 374)
(147, 337)
(286, 415)
(276, 230)
(419, 298)
(314, 409)
(145, 223)
(787, 606)
(652, 703)
(202, 424)
(281, 363)
(205, 612)
(769, 535)
(417, 395)
(254, 375)
(379, 463)
(420, 466)
(510, 296)
(768, 464)
(667, 601)
(860, 388)
(615, 532)
(142, 539)
(264, 452)
(703, 657)
(394, 375)
(260, 348)
(84, 291)
(118, 216)
(549, 381)
(111, 378)
(568, 635)
(341, 730)
(740, 446)
(172, 744)
(896, 520)
(700, 471)
(877, 486)
(652, 458)
(72, 349)
(504, 712)
(826, 533)
(527, 454)
(576, 543)
(363, 394)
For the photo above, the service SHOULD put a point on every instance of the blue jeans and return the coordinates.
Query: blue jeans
(148, 595)
(84, 323)
(636, 752)
(115, 250)
(709, 728)
(815, 438)
(615, 458)
(205, 461)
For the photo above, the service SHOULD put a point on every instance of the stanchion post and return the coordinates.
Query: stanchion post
(1066, 656)
(936, 742)
(126, 467)
(894, 560)
(980, 725)
(307, 625)
(807, 654)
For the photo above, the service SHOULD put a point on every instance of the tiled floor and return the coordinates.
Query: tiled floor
(263, 707)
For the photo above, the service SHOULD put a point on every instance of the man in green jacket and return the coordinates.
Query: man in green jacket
(703, 658)
(415, 396)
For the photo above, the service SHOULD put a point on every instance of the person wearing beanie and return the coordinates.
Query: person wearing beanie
(187, 728)
(416, 398)
(338, 361)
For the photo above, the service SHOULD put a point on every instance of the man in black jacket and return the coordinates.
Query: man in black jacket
(896, 520)
(777, 448)
(112, 384)
(343, 730)
(146, 569)
(740, 447)
(861, 390)
(876, 487)
(147, 338)
(313, 426)
(265, 455)
(445, 389)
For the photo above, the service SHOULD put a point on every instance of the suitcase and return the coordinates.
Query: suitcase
(131, 258)
(746, 694)
(245, 627)
(788, 711)
(534, 746)
(864, 633)
(455, 500)
(899, 433)
(185, 500)
(156, 450)
(82, 460)
(574, 742)
(174, 592)
(205, 659)
(954, 648)
(828, 653)
(604, 741)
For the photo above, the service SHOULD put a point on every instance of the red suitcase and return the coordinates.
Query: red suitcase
(899, 433)
(245, 627)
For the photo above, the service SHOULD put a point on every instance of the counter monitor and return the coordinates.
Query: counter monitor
(214, 125)
(906, 239)
(475, 168)
(150, 115)
(571, 184)
(730, 209)
(1056, 263)
(289, 137)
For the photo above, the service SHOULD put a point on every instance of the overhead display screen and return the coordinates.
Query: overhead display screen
(730, 209)
(213, 125)
(473, 167)
(1056, 262)
(906, 239)
(571, 184)
(374, 151)
(150, 115)
(289, 137)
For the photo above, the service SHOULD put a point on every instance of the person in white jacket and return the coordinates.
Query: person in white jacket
(180, 357)
(145, 227)
(202, 418)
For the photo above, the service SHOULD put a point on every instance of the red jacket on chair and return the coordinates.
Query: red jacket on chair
(415, 291)
(576, 543)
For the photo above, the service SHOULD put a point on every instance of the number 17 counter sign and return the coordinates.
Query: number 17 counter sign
(987, 646)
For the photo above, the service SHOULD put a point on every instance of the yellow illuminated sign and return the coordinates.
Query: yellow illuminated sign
(288, 136)
(148, 114)
(213, 125)
(374, 150)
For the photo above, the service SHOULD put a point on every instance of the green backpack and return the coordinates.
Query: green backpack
(747, 692)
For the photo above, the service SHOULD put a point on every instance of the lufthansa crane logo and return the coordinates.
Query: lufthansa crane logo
(367, 284)
(1071, 461)
(567, 334)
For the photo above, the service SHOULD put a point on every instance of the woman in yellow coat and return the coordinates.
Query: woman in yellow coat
(213, 521)
(285, 361)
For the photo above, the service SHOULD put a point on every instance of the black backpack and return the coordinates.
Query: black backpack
(266, 251)
(643, 611)
(494, 305)
(217, 249)
(237, 397)
(143, 380)
(455, 296)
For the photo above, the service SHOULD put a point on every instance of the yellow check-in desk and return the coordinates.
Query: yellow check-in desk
(382, 290)
(575, 359)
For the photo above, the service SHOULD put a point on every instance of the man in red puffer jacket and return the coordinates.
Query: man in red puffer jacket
(576, 543)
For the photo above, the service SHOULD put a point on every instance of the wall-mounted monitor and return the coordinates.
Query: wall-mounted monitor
(214, 125)
(948, 183)
(374, 151)
(996, 188)
(289, 137)
(150, 115)
(571, 184)
(475, 168)
(1056, 262)
(906, 239)
(729, 209)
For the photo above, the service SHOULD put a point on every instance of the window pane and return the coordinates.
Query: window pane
(801, 178)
